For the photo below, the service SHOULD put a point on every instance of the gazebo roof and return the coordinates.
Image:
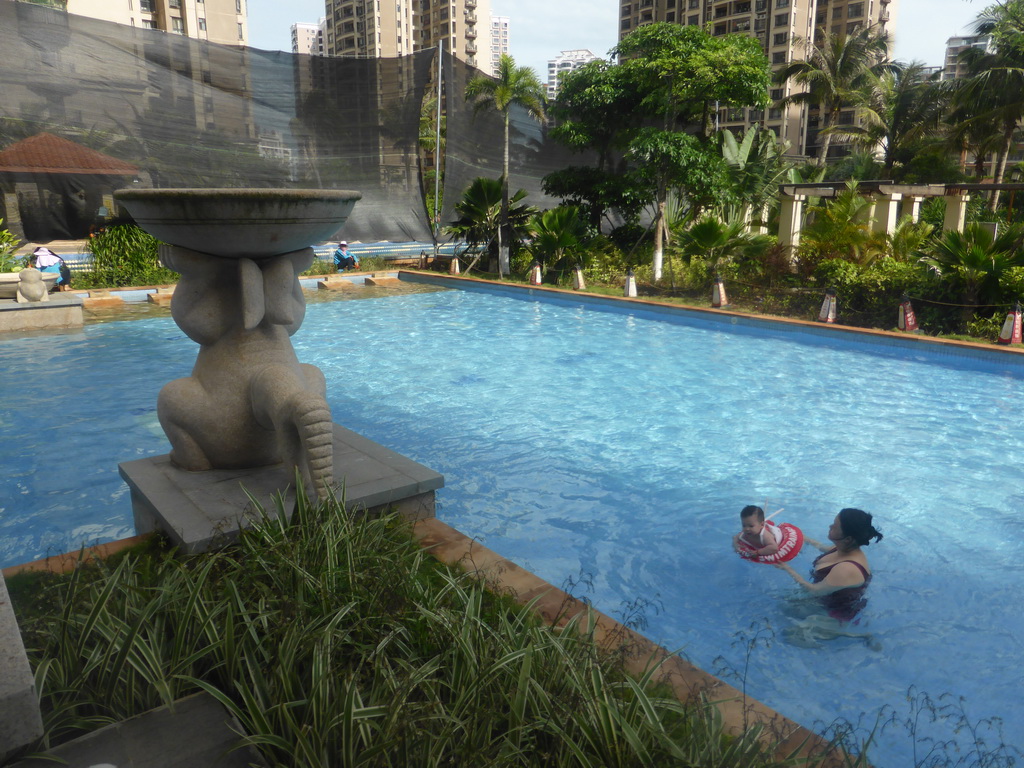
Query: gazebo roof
(46, 153)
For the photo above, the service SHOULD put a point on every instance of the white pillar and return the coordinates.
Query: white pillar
(915, 208)
(956, 211)
(791, 220)
(886, 213)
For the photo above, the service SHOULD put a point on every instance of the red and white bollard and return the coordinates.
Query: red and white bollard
(718, 297)
(630, 292)
(578, 283)
(1011, 327)
(828, 307)
(907, 320)
(453, 268)
(535, 273)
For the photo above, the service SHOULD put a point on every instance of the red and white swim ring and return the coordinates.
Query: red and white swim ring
(790, 539)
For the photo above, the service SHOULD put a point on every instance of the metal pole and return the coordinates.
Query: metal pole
(437, 150)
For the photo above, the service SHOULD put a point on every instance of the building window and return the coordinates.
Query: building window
(719, 30)
(774, 114)
(625, 24)
(202, 23)
(780, 38)
(694, 4)
(852, 27)
(241, 32)
(693, 20)
(626, 9)
(779, 57)
(174, 4)
(776, 94)
(782, 20)
(177, 25)
(238, 6)
(146, 6)
(855, 10)
(742, 7)
(837, 12)
(782, 3)
(670, 16)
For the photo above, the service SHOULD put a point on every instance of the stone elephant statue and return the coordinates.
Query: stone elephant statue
(249, 401)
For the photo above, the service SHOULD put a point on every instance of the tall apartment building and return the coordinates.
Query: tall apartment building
(373, 29)
(783, 28)
(217, 21)
(567, 61)
(309, 38)
(952, 69)
(499, 40)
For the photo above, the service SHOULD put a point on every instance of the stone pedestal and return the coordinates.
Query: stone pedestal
(20, 721)
(59, 312)
(200, 511)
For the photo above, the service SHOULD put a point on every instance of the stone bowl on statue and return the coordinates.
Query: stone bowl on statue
(240, 223)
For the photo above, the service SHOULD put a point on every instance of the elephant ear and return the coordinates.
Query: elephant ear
(250, 281)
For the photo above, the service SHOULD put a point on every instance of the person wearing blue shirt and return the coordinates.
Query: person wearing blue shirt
(343, 259)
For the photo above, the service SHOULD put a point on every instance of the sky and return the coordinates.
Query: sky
(541, 29)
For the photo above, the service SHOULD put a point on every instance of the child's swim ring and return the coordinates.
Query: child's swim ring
(790, 539)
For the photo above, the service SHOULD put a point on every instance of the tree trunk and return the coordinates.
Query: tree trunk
(659, 231)
(503, 242)
(826, 137)
(1004, 155)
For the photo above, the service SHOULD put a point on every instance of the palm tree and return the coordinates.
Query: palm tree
(513, 86)
(995, 92)
(835, 75)
(902, 107)
(479, 211)
(720, 242)
(974, 260)
(559, 234)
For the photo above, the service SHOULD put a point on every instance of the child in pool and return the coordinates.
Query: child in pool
(756, 538)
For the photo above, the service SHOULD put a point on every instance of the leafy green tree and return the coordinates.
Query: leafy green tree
(835, 75)
(666, 160)
(839, 228)
(513, 86)
(974, 260)
(682, 71)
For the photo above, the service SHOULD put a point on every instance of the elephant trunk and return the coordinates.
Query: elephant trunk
(316, 439)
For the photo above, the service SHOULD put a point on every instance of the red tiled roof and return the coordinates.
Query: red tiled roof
(46, 153)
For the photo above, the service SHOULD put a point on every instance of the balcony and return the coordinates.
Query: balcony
(470, 5)
(470, 33)
(471, 49)
(470, 18)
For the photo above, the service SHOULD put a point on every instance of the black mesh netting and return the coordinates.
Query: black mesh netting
(89, 107)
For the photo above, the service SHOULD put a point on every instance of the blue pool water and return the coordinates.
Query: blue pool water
(615, 450)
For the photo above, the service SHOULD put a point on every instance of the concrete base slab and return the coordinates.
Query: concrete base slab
(200, 511)
(335, 284)
(20, 721)
(383, 281)
(58, 312)
(103, 300)
(197, 731)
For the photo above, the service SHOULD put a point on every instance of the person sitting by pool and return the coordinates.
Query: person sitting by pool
(46, 260)
(756, 538)
(840, 576)
(343, 259)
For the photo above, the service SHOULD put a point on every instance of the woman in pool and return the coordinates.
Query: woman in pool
(840, 576)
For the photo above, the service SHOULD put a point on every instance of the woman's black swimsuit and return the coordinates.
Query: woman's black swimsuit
(843, 604)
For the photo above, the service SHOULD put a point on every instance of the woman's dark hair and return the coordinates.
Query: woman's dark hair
(750, 510)
(856, 523)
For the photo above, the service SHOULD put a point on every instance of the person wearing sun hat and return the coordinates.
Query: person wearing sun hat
(46, 260)
(343, 259)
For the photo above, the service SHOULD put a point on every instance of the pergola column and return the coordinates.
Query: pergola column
(887, 213)
(915, 207)
(791, 220)
(956, 211)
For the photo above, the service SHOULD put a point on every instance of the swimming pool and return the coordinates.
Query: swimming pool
(615, 449)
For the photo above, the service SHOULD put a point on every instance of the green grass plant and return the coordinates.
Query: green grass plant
(123, 255)
(336, 640)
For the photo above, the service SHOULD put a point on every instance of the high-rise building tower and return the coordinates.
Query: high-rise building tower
(309, 38)
(783, 28)
(953, 68)
(499, 40)
(369, 28)
(566, 62)
(218, 21)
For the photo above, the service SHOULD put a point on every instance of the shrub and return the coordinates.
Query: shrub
(123, 255)
(8, 245)
(870, 295)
